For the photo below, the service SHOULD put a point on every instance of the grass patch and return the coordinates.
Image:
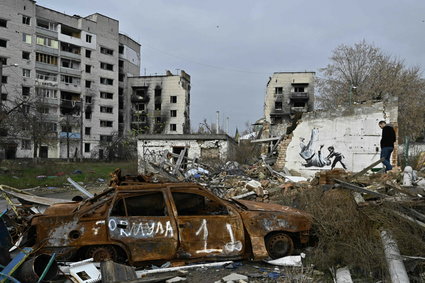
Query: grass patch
(24, 174)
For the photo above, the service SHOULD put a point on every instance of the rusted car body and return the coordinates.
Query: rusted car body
(146, 222)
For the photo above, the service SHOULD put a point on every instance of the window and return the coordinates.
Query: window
(173, 113)
(25, 55)
(26, 20)
(26, 73)
(67, 128)
(3, 42)
(46, 24)
(87, 131)
(88, 38)
(138, 118)
(194, 204)
(139, 106)
(4, 96)
(25, 108)
(105, 138)
(88, 68)
(106, 81)
(141, 205)
(88, 84)
(27, 38)
(26, 144)
(106, 51)
(106, 95)
(3, 23)
(41, 40)
(46, 76)
(106, 109)
(173, 99)
(88, 115)
(43, 110)
(278, 105)
(3, 60)
(88, 53)
(47, 59)
(72, 64)
(278, 90)
(120, 63)
(26, 90)
(157, 106)
(158, 92)
(173, 127)
(86, 147)
(4, 79)
(121, 49)
(70, 80)
(106, 66)
(46, 92)
(299, 89)
(88, 99)
(121, 77)
(104, 123)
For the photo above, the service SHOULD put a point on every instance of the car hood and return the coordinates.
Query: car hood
(271, 207)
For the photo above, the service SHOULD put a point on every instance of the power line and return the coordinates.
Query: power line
(204, 64)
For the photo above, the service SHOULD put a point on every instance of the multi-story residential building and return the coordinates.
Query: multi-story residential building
(76, 66)
(160, 104)
(288, 93)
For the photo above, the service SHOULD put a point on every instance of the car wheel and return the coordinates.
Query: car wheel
(101, 253)
(279, 245)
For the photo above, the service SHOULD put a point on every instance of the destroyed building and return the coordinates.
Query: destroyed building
(70, 64)
(160, 103)
(288, 93)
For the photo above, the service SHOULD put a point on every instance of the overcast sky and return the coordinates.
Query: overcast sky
(230, 48)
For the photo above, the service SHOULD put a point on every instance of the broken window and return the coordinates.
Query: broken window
(26, 144)
(139, 106)
(26, 90)
(106, 109)
(3, 60)
(121, 49)
(173, 99)
(157, 106)
(86, 147)
(3, 42)
(106, 66)
(173, 113)
(105, 123)
(278, 105)
(26, 20)
(278, 90)
(47, 59)
(26, 73)
(299, 89)
(26, 55)
(106, 81)
(120, 63)
(88, 68)
(106, 95)
(88, 84)
(173, 127)
(299, 104)
(4, 79)
(88, 38)
(88, 115)
(106, 51)
(105, 138)
(147, 204)
(121, 77)
(88, 99)
(87, 131)
(158, 92)
(88, 53)
(193, 204)
(3, 23)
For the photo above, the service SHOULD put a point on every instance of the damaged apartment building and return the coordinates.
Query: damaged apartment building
(288, 94)
(84, 76)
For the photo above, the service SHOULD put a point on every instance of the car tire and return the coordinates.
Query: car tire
(279, 245)
(102, 253)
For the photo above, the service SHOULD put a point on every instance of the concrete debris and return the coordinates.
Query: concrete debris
(343, 275)
(175, 279)
(294, 260)
(234, 277)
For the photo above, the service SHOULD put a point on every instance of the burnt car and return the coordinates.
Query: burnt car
(166, 221)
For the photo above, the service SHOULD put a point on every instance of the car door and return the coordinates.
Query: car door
(142, 221)
(207, 226)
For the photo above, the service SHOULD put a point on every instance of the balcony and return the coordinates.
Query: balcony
(46, 67)
(299, 96)
(71, 55)
(298, 109)
(138, 98)
(46, 32)
(70, 71)
(47, 50)
(72, 87)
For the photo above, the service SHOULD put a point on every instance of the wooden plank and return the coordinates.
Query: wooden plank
(276, 145)
(176, 169)
(265, 140)
(15, 263)
(115, 272)
(358, 189)
(367, 168)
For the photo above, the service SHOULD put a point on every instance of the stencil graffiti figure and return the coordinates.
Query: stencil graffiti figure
(309, 154)
(338, 157)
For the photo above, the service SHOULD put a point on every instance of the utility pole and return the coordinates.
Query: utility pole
(217, 130)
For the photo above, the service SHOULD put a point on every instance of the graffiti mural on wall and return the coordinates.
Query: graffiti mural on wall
(314, 157)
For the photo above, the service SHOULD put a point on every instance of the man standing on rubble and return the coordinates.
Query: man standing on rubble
(387, 143)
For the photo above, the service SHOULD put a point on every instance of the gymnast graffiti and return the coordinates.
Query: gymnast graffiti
(316, 158)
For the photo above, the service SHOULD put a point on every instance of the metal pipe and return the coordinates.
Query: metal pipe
(32, 270)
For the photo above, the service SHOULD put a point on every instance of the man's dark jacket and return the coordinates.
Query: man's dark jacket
(388, 137)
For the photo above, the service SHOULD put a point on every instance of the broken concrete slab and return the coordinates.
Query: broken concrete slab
(295, 260)
(176, 279)
(343, 275)
(234, 277)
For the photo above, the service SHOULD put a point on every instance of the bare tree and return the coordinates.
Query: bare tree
(364, 72)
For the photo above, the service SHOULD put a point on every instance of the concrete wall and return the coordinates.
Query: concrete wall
(151, 149)
(352, 132)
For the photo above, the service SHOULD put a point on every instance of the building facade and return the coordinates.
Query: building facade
(74, 69)
(160, 104)
(288, 93)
